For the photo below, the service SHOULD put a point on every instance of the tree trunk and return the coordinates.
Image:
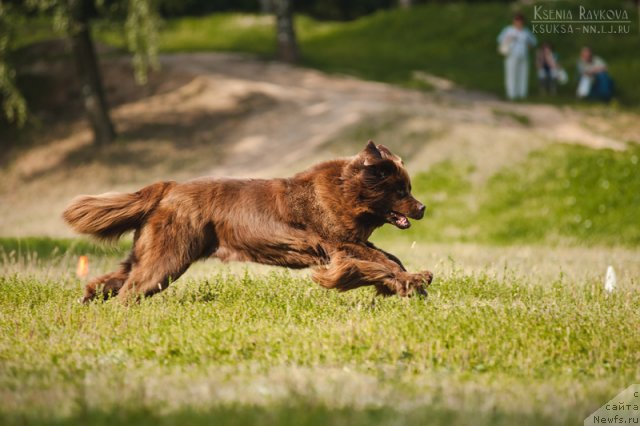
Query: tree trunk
(285, 32)
(405, 4)
(86, 60)
(265, 6)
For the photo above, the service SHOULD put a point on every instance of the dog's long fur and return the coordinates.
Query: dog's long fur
(320, 218)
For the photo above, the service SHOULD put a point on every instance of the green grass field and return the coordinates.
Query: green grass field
(256, 346)
(517, 327)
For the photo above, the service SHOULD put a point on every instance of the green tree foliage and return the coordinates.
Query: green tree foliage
(142, 36)
(140, 25)
(321, 9)
(13, 104)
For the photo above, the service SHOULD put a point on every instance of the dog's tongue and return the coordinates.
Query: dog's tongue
(400, 220)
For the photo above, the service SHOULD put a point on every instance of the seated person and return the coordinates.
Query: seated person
(595, 82)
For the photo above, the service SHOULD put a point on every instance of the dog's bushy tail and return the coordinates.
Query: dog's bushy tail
(108, 216)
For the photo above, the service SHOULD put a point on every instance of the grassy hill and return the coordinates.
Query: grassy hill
(455, 41)
(562, 194)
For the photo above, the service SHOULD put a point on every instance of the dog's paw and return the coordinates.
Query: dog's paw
(426, 277)
(413, 284)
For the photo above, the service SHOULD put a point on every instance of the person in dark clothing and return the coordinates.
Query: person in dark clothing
(595, 82)
(549, 70)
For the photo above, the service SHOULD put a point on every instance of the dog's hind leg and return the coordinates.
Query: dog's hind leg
(163, 252)
(147, 279)
(108, 285)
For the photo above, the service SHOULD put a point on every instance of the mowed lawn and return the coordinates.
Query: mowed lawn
(497, 342)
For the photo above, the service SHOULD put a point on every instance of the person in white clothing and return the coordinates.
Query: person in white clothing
(514, 42)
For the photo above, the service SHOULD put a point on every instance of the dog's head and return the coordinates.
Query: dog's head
(385, 187)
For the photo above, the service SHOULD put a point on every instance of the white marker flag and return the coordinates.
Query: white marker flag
(610, 279)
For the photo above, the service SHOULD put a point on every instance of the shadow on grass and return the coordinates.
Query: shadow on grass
(298, 415)
(136, 145)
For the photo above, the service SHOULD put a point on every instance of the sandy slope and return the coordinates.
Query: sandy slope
(233, 115)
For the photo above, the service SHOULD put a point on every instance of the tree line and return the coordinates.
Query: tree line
(318, 9)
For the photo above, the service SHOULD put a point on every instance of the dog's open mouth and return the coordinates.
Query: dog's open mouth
(398, 219)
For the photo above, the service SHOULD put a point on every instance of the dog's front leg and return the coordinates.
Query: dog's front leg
(418, 280)
(355, 265)
(404, 283)
(388, 255)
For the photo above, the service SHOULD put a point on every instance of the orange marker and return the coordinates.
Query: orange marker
(83, 267)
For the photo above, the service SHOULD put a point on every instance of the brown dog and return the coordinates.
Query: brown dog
(321, 218)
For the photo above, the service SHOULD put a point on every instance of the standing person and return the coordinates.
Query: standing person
(548, 68)
(514, 42)
(595, 82)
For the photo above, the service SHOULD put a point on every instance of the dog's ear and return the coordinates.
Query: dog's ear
(378, 164)
(370, 154)
(388, 155)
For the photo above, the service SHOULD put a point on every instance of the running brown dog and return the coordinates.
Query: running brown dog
(320, 218)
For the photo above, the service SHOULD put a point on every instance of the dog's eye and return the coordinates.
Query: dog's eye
(402, 193)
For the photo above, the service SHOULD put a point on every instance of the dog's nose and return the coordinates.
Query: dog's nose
(421, 210)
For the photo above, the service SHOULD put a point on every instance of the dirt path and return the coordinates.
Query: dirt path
(233, 115)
